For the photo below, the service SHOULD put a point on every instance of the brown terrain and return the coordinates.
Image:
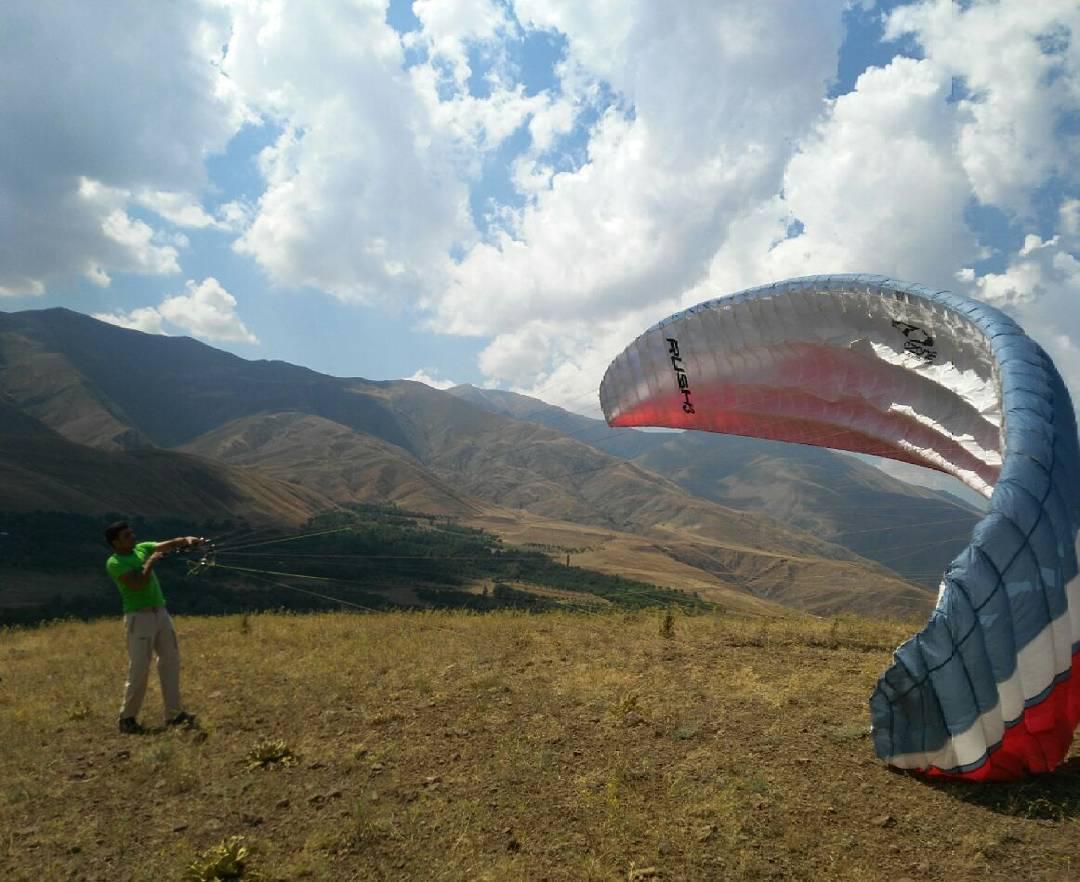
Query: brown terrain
(442, 747)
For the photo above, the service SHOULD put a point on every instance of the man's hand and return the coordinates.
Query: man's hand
(152, 559)
(192, 541)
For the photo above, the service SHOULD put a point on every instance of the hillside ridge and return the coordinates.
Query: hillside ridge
(402, 441)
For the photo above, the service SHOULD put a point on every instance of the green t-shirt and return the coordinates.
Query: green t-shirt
(118, 564)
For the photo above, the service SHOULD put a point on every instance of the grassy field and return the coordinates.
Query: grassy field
(449, 746)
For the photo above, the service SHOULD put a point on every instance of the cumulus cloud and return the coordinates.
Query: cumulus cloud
(707, 109)
(431, 379)
(180, 209)
(875, 187)
(697, 109)
(360, 198)
(1018, 66)
(137, 240)
(207, 310)
(680, 151)
(368, 185)
(145, 319)
(1041, 288)
(449, 28)
(77, 118)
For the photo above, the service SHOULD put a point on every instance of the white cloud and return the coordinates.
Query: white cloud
(361, 199)
(519, 357)
(717, 91)
(368, 187)
(1041, 289)
(433, 379)
(548, 123)
(137, 239)
(180, 209)
(367, 190)
(670, 162)
(707, 103)
(73, 109)
(234, 216)
(880, 183)
(207, 311)
(1019, 63)
(97, 275)
(145, 319)
(876, 186)
(471, 126)
(184, 210)
(450, 27)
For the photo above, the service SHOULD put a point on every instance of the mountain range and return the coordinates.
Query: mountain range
(97, 418)
(910, 529)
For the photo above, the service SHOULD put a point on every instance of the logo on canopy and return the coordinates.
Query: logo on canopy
(680, 374)
(917, 341)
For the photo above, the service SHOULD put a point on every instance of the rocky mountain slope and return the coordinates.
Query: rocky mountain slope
(912, 530)
(42, 471)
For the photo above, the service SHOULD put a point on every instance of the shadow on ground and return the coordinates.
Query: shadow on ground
(1054, 796)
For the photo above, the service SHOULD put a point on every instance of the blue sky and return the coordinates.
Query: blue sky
(504, 193)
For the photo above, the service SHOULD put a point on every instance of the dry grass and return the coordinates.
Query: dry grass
(500, 747)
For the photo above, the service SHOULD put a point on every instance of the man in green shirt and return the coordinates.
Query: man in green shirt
(149, 628)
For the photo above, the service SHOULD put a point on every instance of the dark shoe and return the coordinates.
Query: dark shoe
(130, 726)
(183, 720)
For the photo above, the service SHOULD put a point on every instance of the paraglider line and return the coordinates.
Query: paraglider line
(288, 538)
(362, 556)
(316, 594)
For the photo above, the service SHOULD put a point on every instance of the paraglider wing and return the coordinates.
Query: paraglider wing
(865, 363)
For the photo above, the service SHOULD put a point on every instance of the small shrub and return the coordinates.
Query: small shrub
(79, 711)
(755, 782)
(626, 705)
(850, 732)
(1042, 808)
(227, 860)
(16, 793)
(364, 829)
(833, 641)
(270, 752)
(761, 638)
(159, 754)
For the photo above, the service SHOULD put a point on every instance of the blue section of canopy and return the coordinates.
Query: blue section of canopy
(1008, 587)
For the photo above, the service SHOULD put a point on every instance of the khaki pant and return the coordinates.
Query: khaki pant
(150, 632)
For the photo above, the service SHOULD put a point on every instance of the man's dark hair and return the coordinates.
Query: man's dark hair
(114, 530)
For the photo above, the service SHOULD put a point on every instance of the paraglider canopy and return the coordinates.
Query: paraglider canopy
(847, 362)
(873, 365)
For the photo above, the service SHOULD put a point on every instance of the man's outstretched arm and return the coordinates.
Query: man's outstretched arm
(178, 542)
